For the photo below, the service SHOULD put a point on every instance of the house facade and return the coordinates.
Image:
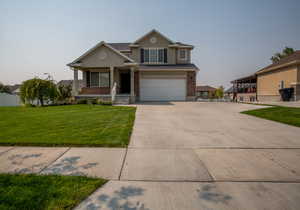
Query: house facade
(205, 91)
(245, 89)
(283, 74)
(152, 68)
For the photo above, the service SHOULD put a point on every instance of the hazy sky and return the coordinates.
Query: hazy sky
(232, 38)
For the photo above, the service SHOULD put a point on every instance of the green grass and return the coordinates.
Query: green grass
(287, 115)
(73, 125)
(19, 192)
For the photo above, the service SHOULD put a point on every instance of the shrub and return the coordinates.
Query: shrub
(64, 92)
(38, 90)
(81, 101)
(103, 102)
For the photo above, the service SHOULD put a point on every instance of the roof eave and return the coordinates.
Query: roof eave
(264, 70)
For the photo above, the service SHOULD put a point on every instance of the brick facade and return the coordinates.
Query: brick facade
(191, 83)
(95, 90)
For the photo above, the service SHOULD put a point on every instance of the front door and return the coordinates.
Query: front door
(125, 83)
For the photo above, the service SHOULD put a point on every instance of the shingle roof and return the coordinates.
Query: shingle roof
(170, 67)
(12, 88)
(293, 57)
(183, 44)
(120, 46)
(205, 88)
(229, 90)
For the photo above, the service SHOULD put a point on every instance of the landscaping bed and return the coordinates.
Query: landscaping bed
(287, 115)
(71, 125)
(45, 192)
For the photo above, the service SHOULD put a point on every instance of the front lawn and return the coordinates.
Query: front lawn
(44, 192)
(72, 125)
(287, 115)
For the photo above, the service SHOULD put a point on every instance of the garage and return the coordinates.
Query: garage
(163, 89)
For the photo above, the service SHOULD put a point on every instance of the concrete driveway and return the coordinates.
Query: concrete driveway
(207, 125)
(193, 155)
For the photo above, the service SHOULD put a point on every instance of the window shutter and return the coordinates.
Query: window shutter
(142, 55)
(88, 79)
(165, 55)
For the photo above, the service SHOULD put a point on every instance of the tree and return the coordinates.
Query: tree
(220, 92)
(4, 88)
(38, 89)
(64, 92)
(285, 52)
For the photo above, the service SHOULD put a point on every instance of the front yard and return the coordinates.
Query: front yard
(72, 125)
(287, 115)
(44, 192)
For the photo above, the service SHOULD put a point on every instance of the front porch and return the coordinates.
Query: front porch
(110, 84)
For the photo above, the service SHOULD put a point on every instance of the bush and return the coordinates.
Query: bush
(81, 101)
(39, 90)
(64, 93)
(102, 102)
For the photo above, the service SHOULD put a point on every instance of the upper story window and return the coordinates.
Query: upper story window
(182, 54)
(154, 55)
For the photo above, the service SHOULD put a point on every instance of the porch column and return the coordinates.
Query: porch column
(132, 82)
(111, 78)
(75, 82)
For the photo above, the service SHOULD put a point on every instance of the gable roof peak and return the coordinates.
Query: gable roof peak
(150, 32)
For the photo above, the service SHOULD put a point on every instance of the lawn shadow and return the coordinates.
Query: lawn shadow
(209, 193)
(70, 166)
(119, 200)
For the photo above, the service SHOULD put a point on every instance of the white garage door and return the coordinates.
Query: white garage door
(162, 89)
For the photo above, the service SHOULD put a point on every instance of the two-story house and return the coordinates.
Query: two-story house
(152, 68)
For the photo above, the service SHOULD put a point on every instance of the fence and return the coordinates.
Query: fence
(9, 100)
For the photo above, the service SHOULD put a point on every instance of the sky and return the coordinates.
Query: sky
(232, 38)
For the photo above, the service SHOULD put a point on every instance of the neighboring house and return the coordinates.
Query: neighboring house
(205, 91)
(244, 89)
(229, 93)
(283, 74)
(14, 89)
(152, 68)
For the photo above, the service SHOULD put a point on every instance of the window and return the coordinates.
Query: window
(160, 55)
(99, 79)
(182, 54)
(146, 55)
(104, 79)
(154, 55)
(94, 79)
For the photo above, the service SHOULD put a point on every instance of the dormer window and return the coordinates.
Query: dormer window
(182, 54)
(154, 55)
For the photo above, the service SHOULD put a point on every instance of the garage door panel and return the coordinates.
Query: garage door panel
(162, 89)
